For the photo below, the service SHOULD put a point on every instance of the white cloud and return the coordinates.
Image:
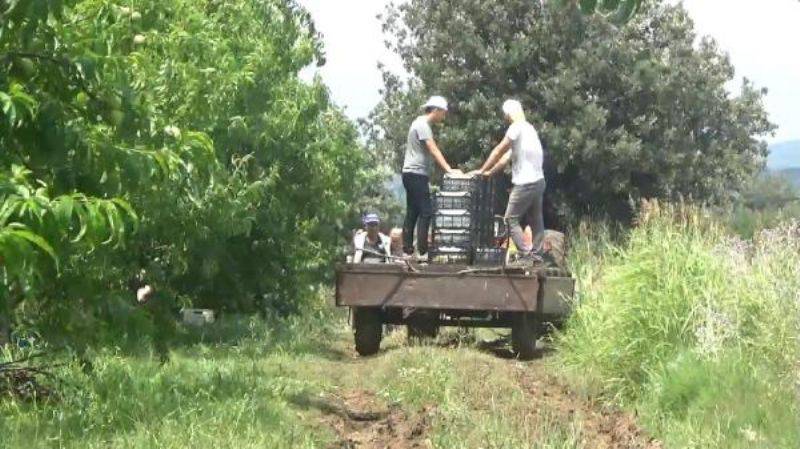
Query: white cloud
(354, 46)
(761, 38)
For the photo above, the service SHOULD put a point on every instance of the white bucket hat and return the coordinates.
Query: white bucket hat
(436, 102)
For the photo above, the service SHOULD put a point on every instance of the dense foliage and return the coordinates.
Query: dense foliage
(618, 10)
(635, 110)
(695, 328)
(767, 202)
(170, 141)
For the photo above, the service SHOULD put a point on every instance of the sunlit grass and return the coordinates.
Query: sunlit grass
(248, 383)
(687, 324)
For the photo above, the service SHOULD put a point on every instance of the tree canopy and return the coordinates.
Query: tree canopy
(617, 10)
(624, 111)
(170, 137)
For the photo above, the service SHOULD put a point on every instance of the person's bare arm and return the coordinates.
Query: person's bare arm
(501, 164)
(358, 255)
(497, 153)
(438, 156)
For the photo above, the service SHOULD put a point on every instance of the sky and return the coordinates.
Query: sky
(761, 37)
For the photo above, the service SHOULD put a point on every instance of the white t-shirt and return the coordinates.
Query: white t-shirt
(526, 153)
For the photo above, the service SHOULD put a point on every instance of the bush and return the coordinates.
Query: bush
(723, 401)
(769, 200)
(173, 138)
(682, 316)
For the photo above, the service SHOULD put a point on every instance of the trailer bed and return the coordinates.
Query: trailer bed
(453, 287)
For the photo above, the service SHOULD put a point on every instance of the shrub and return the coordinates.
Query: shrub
(682, 316)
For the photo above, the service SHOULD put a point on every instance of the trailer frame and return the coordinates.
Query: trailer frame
(428, 297)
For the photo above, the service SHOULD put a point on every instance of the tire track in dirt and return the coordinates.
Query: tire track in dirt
(360, 420)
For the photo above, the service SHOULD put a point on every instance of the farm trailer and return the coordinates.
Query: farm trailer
(427, 297)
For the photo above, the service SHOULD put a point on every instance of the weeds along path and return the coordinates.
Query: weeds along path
(302, 388)
(456, 394)
(602, 428)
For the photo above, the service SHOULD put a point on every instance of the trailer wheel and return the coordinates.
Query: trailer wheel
(525, 331)
(423, 325)
(368, 330)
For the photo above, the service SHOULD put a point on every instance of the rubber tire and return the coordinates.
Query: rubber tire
(423, 325)
(525, 331)
(368, 330)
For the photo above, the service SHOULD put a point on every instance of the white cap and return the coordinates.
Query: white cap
(513, 108)
(436, 102)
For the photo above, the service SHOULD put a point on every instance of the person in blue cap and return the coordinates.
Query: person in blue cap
(371, 245)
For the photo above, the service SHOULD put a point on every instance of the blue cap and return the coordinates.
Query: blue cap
(371, 218)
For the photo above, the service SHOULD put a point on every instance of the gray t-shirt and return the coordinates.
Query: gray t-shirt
(418, 159)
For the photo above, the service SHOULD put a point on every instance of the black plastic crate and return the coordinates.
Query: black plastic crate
(452, 219)
(458, 184)
(450, 257)
(454, 200)
(500, 228)
(489, 256)
(461, 238)
(483, 211)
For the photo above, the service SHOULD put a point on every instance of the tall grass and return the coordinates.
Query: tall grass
(254, 383)
(697, 330)
(231, 387)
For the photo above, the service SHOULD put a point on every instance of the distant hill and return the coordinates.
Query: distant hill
(784, 155)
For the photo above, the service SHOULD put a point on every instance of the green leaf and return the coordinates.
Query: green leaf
(124, 205)
(83, 219)
(19, 231)
(63, 210)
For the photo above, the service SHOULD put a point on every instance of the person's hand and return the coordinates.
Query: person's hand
(475, 172)
(487, 174)
(455, 171)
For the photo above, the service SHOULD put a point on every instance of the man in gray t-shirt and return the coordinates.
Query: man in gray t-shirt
(418, 157)
(421, 150)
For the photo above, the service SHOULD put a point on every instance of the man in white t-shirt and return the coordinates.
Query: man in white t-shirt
(525, 202)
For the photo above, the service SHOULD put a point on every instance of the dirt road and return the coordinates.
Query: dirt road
(464, 394)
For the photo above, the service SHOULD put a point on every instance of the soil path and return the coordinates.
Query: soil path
(360, 420)
(602, 428)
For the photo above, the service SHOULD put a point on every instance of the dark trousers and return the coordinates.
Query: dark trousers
(525, 209)
(418, 212)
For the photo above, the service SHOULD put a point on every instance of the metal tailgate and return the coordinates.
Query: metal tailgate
(387, 285)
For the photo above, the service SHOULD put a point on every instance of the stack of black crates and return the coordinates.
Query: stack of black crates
(465, 229)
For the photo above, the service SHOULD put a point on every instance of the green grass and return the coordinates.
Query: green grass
(695, 329)
(250, 383)
(222, 394)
